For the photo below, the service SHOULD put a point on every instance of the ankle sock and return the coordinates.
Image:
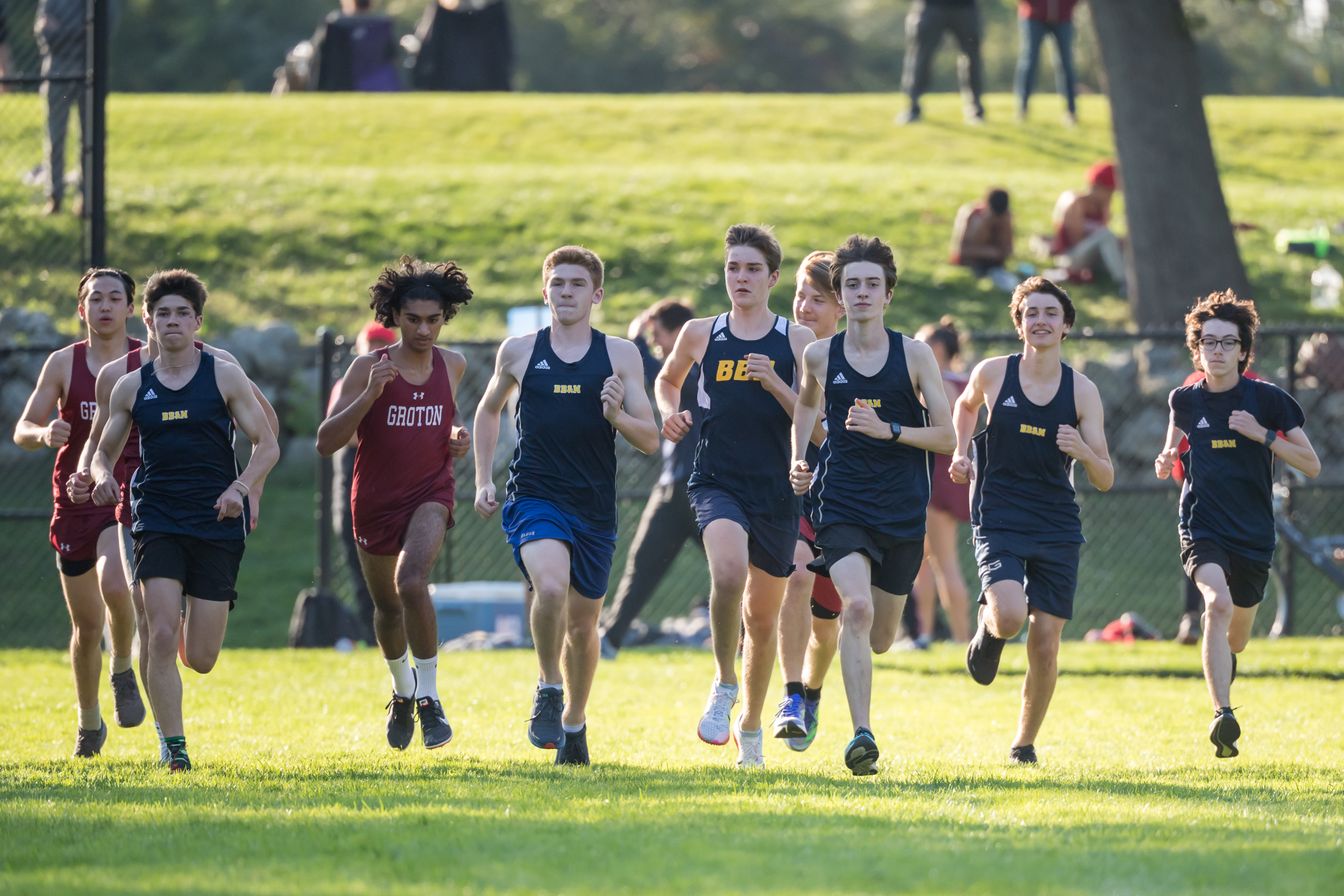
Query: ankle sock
(813, 694)
(427, 677)
(90, 718)
(795, 688)
(121, 663)
(403, 676)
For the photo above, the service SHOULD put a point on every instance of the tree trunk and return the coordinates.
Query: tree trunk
(1180, 237)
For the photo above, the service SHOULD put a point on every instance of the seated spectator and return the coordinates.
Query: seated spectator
(1082, 240)
(464, 45)
(356, 49)
(982, 238)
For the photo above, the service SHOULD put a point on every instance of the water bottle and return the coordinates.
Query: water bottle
(1326, 286)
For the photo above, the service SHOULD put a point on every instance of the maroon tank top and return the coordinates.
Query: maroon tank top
(78, 408)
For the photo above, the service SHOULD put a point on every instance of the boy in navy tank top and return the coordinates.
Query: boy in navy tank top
(1235, 426)
(746, 512)
(85, 536)
(1043, 417)
(809, 627)
(188, 500)
(577, 388)
(398, 404)
(882, 395)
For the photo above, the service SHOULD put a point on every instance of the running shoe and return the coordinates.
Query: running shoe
(983, 653)
(178, 760)
(1223, 733)
(575, 749)
(714, 724)
(1023, 755)
(789, 721)
(90, 743)
(129, 709)
(434, 728)
(608, 649)
(400, 721)
(811, 716)
(861, 753)
(544, 729)
(750, 747)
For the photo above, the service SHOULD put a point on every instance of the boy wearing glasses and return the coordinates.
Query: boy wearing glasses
(1236, 426)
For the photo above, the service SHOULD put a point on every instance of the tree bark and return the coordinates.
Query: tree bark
(1181, 244)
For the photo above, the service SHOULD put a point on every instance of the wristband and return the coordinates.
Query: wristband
(238, 484)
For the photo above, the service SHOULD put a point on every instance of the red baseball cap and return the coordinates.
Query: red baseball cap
(376, 332)
(1102, 174)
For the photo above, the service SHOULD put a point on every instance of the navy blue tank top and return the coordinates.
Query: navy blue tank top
(186, 457)
(744, 437)
(1227, 495)
(1023, 482)
(566, 450)
(878, 484)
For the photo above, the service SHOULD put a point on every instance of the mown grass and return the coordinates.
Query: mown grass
(289, 207)
(295, 791)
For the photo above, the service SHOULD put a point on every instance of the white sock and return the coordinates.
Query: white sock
(91, 718)
(403, 677)
(427, 677)
(158, 731)
(543, 683)
(574, 729)
(726, 688)
(121, 663)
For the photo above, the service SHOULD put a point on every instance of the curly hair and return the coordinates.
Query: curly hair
(413, 279)
(863, 248)
(92, 274)
(1226, 306)
(1030, 287)
(175, 282)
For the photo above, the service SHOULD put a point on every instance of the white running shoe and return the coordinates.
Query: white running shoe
(714, 724)
(750, 747)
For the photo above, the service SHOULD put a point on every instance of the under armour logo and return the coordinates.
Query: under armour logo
(150, 395)
(362, 540)
(839, 380)
(1202, 424)
(542, 365)
(416, 396)
(65, 548)
(1009, 402)
(722, 337)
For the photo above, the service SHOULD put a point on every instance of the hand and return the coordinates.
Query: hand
(57, 434)
(459, 443)
(486, 505)
(864, 420)
(959, 470)
(761, 369)
(79, 487)
(229, 503)
(613, 398)
(106, 492)
(381, 373)
(677, 426)
(800, 477)
(1164, 462)
(1248, 426)
(254, 504)
(1070, 442)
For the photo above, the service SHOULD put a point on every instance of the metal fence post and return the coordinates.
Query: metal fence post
(95, 141)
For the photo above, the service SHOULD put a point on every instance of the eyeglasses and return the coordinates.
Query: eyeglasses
(1227, 343)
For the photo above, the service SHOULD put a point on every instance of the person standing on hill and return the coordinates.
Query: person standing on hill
(925, 25)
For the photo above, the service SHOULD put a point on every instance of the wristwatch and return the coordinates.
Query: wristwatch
(1270, 436)
(895, 431)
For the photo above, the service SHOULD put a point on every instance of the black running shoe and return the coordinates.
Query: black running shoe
(861, 753)
(400, 721)
(544, 729)
(575, 749)
(982, 655)
(129, 710)
(178, 760)
(1023, 755)
(1223, 733)
(434, 727)
(90, 743)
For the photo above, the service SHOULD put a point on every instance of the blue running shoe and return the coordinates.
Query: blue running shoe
(789, 720)
(544, 729)
(811, 716)
(861, 753)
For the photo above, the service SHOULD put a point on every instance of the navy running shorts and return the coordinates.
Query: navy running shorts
(770, 537)
(895, 561)
(1048, 570)
(590, 549)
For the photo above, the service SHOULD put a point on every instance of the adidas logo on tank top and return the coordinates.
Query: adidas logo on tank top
(721, 337)
(839, 380)
(542, 365)
(1009, 402)
(1202, 424)
(150, 395)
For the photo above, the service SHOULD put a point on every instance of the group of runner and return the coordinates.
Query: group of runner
(810, 485)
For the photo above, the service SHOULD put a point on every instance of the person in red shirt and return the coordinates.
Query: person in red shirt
(399, 404)
(1083, 240)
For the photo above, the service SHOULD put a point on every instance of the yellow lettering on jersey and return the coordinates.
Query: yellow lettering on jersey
(175, 415)
(733, 370)
(1224, 443)
(871, 402)
(724, 371)
(1032, 430)
(566, 389)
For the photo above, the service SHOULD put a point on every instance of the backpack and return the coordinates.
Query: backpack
(320, 620)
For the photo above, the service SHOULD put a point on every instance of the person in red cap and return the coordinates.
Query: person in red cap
(1083, 240)
(372, 338)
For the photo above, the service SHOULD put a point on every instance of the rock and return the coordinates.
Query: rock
(276, 353)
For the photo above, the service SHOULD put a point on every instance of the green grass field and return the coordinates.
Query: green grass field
(289, 207)
(295, 791)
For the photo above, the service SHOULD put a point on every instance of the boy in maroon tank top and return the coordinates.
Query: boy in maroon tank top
(84, 535)
(399, 404)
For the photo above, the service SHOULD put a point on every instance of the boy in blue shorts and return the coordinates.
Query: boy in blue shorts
(1043, 418)
(1236, 427)
(746, 512)
(577, 388)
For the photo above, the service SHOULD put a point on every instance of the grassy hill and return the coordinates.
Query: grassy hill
(288, 207)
